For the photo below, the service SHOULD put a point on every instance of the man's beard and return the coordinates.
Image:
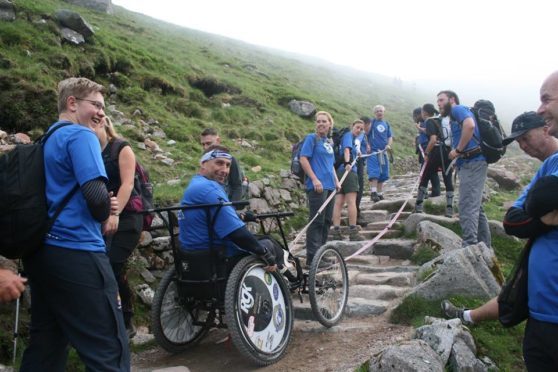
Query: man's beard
(446, 109)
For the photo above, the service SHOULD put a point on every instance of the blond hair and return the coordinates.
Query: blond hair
(109, 129)
(76, 87)
(379, 107)
(329, 117)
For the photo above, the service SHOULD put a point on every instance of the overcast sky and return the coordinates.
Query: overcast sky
(508, 44)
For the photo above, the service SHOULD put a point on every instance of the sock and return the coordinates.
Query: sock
(373, 189)
(467, 316)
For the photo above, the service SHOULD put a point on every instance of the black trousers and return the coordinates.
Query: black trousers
(119, 247)
(540, 346)
(74, 301)
(361, 163)
(438, 159)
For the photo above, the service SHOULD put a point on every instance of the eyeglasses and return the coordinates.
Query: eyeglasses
(98, 105)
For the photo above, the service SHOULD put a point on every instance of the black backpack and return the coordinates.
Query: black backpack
(491, 132)
(296, 167)
(337, 136)
(141, 198)
(23, 207)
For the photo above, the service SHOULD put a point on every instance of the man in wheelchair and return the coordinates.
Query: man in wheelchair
(228, 230)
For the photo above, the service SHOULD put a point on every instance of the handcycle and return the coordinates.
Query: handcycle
(206, 289)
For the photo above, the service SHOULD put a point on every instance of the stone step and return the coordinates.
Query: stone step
(381, 269)
(369, 259)
(380, 225)
(395, 248)
(402, 217)
(356, 307)
(370, 234)
(404, 279)
(378, 292)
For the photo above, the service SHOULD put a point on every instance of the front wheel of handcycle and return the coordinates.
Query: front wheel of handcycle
(258, 311)
(177, 323)
(328, 286)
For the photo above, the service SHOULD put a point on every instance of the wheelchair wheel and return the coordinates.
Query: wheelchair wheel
(258, 311)
(328, 286)
(177, 324)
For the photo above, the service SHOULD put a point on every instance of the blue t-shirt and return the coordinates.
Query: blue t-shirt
(72, 155)
(378, 135)
(348, 141)
(362, 138)
(543, 259)
(458, 114)
(423, 137)
(319, 152)
(192, 223)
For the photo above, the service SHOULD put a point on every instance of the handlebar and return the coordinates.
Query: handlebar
(274, 214)
(196, 206)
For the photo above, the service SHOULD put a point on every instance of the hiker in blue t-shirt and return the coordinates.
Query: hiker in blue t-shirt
(317, 160)
(229, 231)
(361, 166)
(349, 148)
(73, 290)
(379, 138)
(471, 168)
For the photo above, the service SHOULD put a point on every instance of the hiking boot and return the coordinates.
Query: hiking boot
(354, 235)
(381, 196)
(375, 197)
(419, 207)
(449, 204)
(450, 311)
(336, 234)
(449, 211)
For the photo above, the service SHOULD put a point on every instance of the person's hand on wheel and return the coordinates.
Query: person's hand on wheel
(269, 259)
(249, 216)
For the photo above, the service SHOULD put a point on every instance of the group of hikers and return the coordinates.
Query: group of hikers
(79, 291)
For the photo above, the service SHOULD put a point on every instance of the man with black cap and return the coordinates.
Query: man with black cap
(529, 217)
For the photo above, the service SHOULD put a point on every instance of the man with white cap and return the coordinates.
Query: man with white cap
(228, 229)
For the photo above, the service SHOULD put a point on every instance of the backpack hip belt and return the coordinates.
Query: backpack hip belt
(471, 153)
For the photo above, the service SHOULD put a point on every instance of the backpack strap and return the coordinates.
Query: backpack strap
(45, 136)
(62, 205)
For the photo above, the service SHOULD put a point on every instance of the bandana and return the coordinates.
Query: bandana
(214, 154)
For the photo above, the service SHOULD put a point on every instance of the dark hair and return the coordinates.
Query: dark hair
(429, 109)
(209, 132)
(217, 147)
(450, 94)
(417, 112)
(365, 119)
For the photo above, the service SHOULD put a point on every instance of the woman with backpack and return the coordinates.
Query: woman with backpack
(317, 161)
(436, 157)
(120, 165)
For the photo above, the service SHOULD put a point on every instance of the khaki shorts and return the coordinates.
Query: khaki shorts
(350, 184)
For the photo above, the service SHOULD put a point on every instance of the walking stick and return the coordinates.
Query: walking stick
(16, 330)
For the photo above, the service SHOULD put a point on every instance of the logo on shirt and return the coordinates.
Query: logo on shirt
(380, 128)
(328, 147)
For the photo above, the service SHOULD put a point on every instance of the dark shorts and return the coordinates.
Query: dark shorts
(540, 348)
(350, 184)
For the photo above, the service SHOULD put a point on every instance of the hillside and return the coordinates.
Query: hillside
(185, 80)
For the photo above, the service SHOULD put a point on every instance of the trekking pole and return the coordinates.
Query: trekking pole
(16, 330)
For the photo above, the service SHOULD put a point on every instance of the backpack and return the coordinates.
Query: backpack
(141, 198)
(444, 130)
(296, 167)
(24, 218)
(491, 132)
(337, 136)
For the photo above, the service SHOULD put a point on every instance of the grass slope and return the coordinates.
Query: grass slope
(160, 68)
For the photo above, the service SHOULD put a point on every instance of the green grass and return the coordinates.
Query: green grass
(423, 254)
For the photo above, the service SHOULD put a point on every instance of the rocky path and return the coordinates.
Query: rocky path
(379, 277)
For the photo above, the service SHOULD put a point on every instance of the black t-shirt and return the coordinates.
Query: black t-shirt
(432, 128)
(110, 158)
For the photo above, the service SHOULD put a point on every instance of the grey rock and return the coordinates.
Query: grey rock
(7, 11)
(285, 195)
(259, 205)
(137, 112)
(444, 238)
(393, 205)
(104, 6)
(147, 276)
(440, 336)
(506, 180)
(74, 21)
(283, 173)
(145, 239)
(112, 89)
(167, 161)
(171, 142)
(414, 355)
(497, 229)
(158, 133)
(395, 248)
(145, 293)
(273, 196)
(173, 182)
(141, 145)
(255, 189)
(357, 306)
(410, 224)
(168, 257)
(464, 272)
(304, 109)
(71, 36)
(161, 244)
(290, 184)
(266, 181)
(173, 369)
(463, 359)
(372, 216)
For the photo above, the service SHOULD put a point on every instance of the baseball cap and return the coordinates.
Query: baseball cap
(522, 124)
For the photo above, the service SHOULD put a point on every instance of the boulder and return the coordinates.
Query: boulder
(371, 216)
(160, 244)
(104, 6)
(444, 238)
(7, 11)
(466, 272)
(290, 184)
(73, 21)
(393, 205)
(506, 179)
(71, 36)
(22, 139)
(441, 335)
(145, 293)
(304, 109)
(414, 355)
(463, 358)
(285, 195)
(259, 205)
(273, 196)
(255, 189)
(395, 248)
(147, 276)
(145, 239)
(410, 224)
